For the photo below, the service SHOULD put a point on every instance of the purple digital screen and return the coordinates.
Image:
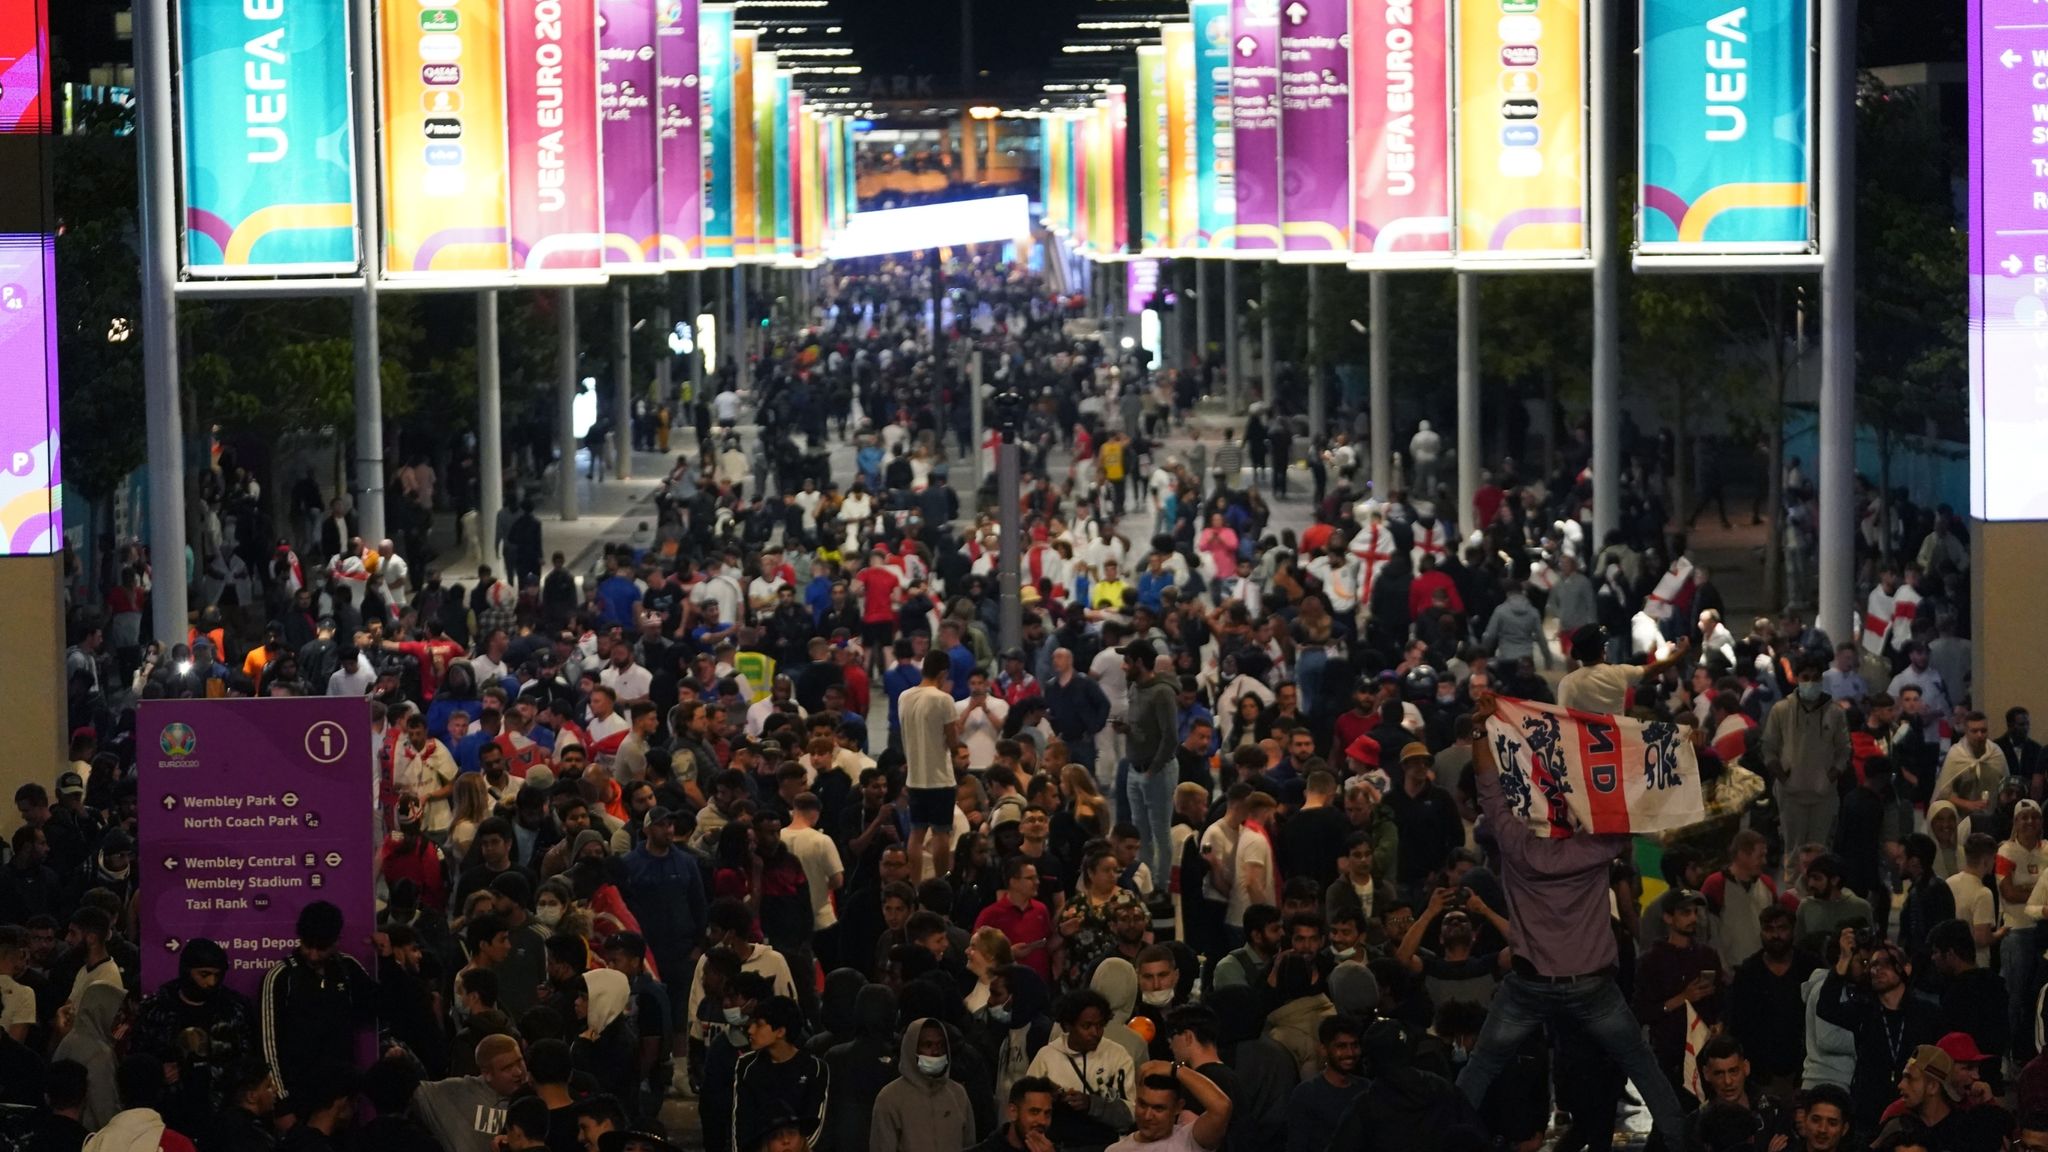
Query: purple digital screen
(31, 517)
(2008, 95)
(1141, 280)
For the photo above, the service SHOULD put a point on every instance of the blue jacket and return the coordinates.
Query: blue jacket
(666, 894)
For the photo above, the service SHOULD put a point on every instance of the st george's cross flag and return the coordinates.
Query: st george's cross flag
(1568, 772)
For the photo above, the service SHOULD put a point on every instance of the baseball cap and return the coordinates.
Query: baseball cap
(1588, 642)
(659, 814)
(70, 784)
(1141, 651)
(1680, 897)
(1961, 1048)
(2028, 805)
(1938, 1066)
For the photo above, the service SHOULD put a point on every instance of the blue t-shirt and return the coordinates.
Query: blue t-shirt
(963, 667)
(620, 598)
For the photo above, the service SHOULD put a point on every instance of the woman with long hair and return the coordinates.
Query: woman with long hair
(472, 802)
(1086, 920)
(975, 878)
(1085, 802)
(1241, 727)
(988, 952)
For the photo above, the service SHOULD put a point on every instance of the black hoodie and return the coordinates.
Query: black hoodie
(836, 1010)
(861, 1067)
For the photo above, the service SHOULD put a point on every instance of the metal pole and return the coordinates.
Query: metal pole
(664, 360)
(161, 402)
(1233, 350)
(1468, 403)
(936, 265)
(1201, 295)
(369, 379)
(738, 306)
(1836, 471)
(565, 406)
(1380, 395)
(489, 432)
(622, 379)
(1266, 277)
(693, 302)
(1010, 517)
(1318, 401)
(1606, 286)
(974, 406)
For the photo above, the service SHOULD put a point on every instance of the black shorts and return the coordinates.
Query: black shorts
(878, 635)
(931, 807)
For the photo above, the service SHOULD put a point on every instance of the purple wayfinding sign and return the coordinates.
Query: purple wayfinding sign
(2008, 258)
(251, 810)
(626, 88)
(682, 133)
(1255, 121)
(1315, 127)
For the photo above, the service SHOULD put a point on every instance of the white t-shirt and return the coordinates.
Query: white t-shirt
(980, 728)
(1252, 848)
(1974, 906)
(631, 682)
(1219, 844)
(17, 1003)
(1108, 670)
(820, 858)
(925, 712)
(1181, 1139)
(1601, 689)
(2024, 869)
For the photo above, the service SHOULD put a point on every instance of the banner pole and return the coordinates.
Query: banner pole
(740, 339)
(166, 423)
(1381, 390)
(664, 359)
(693, 306)
(1268, 272)
(565, 404)
(1836, 473)
(1201, 295)
(1468, 405)
(490, 445)
(1233, 353)
(1318, 399)
(1606, 283)
(622, 379)
(369, 382)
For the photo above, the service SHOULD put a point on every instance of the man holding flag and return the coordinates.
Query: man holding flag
(1564, 953)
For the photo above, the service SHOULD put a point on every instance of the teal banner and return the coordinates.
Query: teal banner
(785, 209)
(714, 68)
(1215, 162)
(267, 137)
(1726, 128)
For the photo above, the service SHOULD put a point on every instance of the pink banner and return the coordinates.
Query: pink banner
(1400, 129)
(552, 134)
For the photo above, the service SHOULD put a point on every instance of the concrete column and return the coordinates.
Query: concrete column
(490, 432)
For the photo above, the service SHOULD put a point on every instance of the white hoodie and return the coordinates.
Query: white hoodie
(136, 1130)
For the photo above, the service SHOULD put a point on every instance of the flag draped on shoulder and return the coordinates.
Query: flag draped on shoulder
(1565, 771)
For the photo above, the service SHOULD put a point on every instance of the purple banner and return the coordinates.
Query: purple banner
(1315, 127)
(682, 133)
(632, 162)
(1255, 122)
(2008, 62)
(251, 810)
(31, 521)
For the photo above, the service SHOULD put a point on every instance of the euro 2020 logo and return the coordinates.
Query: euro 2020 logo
(178, 742)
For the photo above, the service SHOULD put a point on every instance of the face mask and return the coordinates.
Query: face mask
(932, 1065)
(1159, 999)
(548, 914)
(1810, 691)
(999, 1013)
(1343, 954)
(735, 1016)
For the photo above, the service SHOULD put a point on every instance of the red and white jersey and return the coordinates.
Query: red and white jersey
(1374, 547)
(1888, 617)
(1430, 540)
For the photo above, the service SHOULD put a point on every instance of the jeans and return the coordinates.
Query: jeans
(1805, 819)
(2019, 956)
(1521, 1006)
(1148, 803)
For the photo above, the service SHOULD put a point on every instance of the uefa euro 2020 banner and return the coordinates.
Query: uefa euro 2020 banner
(267, 135)
(1567, 772)
(1726, 128)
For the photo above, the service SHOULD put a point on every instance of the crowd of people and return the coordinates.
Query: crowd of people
(763, 816)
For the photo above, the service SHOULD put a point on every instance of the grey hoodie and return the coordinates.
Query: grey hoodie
(1516, 630)
(1118, 982)
(91, 1043)
(464, 1113)
(920, 1113)
(1830, 1049)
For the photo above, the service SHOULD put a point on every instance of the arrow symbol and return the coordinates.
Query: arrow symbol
(2011, 265)
(171, 946)
(2009, 58)
(1297, 12)
(170, 863)
(1246, 46)
(170, 802)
